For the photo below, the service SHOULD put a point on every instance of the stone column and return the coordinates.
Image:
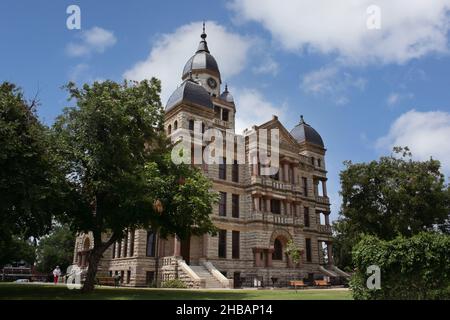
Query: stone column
(295, 169)
(324, 188)
(286, 172)
(176, 246)
(256, 203)
(255, 166)
(316, 187)
(268, 209)
(269, 257)
(257, 256)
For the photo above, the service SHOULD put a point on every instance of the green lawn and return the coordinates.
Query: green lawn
(15, 291)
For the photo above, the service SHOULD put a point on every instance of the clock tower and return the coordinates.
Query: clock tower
(203, 68)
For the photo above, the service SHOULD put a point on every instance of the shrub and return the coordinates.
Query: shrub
(174, 283)
(411, 268)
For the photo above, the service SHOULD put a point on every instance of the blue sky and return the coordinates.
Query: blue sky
(363, 89)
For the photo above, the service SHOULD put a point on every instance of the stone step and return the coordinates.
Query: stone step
(203, 273)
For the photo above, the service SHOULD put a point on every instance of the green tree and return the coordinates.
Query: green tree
(55, 249)
(390, 197)
(417, 267)
(16, 250)
(113, 148)
(29, 180)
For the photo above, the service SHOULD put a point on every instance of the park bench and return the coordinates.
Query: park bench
(105, 281)
(297, 283)
(321, 283)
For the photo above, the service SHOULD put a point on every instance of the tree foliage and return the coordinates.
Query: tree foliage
(114, 152)
(392, 196)
(29, 179)
(56, 249)
(417, 267)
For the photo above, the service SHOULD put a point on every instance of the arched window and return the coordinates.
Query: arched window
(175, 125)
(278, 250)
(169, 129)
(151, 243)
(87, 244)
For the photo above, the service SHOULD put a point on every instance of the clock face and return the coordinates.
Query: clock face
(212, 83)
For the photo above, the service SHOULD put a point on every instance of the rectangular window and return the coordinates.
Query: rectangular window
(191, 125)
(306, 216)
(132, 234)
(275, 206)
(235, 172)
(128, 276)
(305, 186)
(235, 244)
(225, 114)
(125, 245)
(223, 204)
(119, 249)
(114, 250)
(308, 249)
(151, 243)
(122, 274)
(319, 163)
(223, 169)
(222, 243)
(235, 206)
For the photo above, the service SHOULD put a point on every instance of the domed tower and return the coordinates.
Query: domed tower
(198, 98)
(203, 68)
(312, 146)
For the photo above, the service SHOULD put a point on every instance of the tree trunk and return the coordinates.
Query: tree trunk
(94, 260)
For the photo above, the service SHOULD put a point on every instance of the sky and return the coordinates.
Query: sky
(367, 75)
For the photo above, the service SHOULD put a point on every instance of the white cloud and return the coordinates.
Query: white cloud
(268, 66)
(331, 81)
(169, 54)
(94, 40)
(254, 109)
(395, 97)
(78, 72)
(425, 133)
(409, 28)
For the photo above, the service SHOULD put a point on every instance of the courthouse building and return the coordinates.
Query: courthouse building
(257, 215)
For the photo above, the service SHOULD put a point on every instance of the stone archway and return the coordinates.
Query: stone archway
(278, 244)
(282, 234)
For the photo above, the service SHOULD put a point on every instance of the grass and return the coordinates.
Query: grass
(15, 291)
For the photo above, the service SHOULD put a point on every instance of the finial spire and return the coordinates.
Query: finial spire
(301, 119)
(203, 46)
(203, 36)
(226, 87)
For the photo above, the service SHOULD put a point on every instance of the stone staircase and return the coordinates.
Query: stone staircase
(204, 274)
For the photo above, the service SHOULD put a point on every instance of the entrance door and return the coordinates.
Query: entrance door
(185, 249)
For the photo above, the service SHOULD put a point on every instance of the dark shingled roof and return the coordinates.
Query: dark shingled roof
(201, 61)
(190, 92)
(303, 132)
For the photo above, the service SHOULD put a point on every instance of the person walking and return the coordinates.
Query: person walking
(56, 274)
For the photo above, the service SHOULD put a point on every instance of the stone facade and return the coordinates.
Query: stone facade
(263, 215)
